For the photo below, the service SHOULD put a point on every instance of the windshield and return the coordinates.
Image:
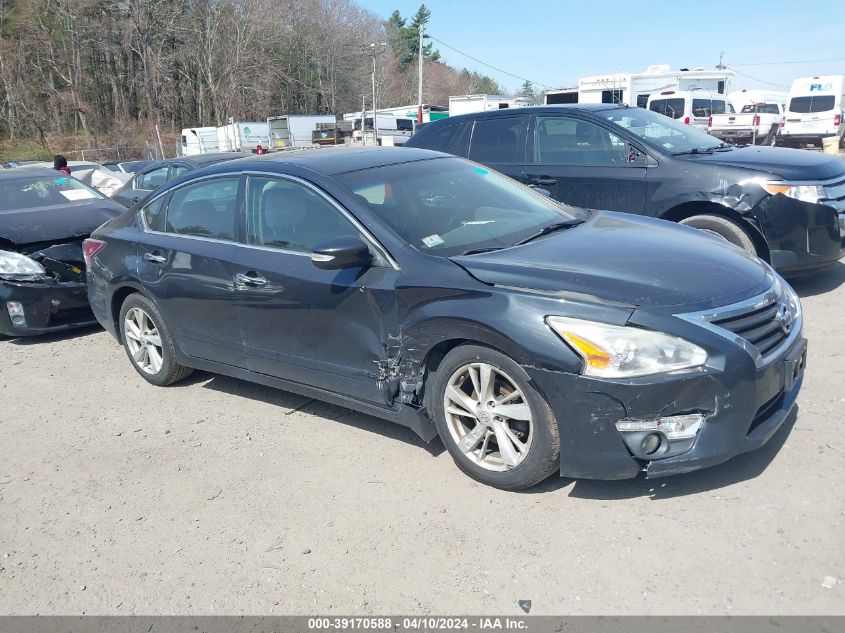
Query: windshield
(448, 206)
(807, 105)
(32, 192)
(660, 131)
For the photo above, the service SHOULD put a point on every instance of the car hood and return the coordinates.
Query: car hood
(789, 164)
(55, 223)
(628, 260)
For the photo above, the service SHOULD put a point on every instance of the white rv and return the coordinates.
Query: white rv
(242, 136)
(465, 104)
(295, 130)
(635, 88)
(814, 111)
(198, 140)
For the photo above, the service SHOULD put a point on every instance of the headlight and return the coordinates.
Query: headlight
(805, 193)
(611, 351)
(17, 265)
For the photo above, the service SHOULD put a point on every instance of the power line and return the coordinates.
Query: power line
(762, 81)
(806, 61)
(475, 59)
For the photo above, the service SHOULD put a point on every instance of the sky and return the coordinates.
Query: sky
(555, 42)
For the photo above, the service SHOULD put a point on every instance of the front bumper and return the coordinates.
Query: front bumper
(743, 407)
(48, 306)
(802, 236)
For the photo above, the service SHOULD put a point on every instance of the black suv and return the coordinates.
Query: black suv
(786, 206)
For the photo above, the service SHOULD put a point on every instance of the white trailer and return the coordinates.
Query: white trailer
(635, 88)
(465, 104)
(242, 136)
(295, 130)
(199, 140)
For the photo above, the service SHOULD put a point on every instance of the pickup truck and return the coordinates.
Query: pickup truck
(756, 124)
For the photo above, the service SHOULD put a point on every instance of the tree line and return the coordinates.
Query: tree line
(101, 67)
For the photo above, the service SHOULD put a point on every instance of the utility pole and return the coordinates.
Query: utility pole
(720, 65)
(419, 94)
(375, 50)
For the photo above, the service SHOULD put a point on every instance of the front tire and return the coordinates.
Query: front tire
(724, 228)
(497, 427)
(148, 342)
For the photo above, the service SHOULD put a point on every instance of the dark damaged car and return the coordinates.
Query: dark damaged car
(787, 206)
(432, 292)
(44, 217)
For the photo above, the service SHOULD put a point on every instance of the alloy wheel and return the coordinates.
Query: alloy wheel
(143, 341)
(488, 417)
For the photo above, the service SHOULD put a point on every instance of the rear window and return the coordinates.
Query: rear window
(707, 107)
(816, 103)
(673, 108)
(29, 193)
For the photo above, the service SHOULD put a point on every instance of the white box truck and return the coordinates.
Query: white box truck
(295, 130)
(242, 136)
(199, 140)
(814, 111)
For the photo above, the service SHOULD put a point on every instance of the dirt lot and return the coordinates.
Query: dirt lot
(221, 497)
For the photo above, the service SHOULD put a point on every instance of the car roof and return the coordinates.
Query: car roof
(30, 171)
(331, 161)
(537, 109)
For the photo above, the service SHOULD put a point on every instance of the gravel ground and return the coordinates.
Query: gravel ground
(221, 497)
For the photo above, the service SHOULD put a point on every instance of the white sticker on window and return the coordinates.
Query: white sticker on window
(77, 194)
(432, 240)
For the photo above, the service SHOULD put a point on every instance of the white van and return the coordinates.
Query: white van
(399, 129)
(814, 111)
(692, 107)
(199, 140)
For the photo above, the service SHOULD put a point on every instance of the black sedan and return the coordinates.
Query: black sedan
(44, 217)
(156, 173)
(440, 295)
(787, 206)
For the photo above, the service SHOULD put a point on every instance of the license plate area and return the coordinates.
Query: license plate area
(794, 366)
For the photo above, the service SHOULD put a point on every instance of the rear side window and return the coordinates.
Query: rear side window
(153, 215)
(496, 140)
(673, 108)
(808, 105)
(204, 209)
(439, 140)
(406, 125)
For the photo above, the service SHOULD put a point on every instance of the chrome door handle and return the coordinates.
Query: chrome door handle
(154, 258)
(253, 279)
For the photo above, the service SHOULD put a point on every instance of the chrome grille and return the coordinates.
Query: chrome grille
(763, 325)
(765, 328)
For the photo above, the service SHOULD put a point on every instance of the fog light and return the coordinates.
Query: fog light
(651, 443)
(15, 308)
(676, 427)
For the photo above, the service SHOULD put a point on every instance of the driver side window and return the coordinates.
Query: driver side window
(288, 215)
(566, 141)
(151, 179)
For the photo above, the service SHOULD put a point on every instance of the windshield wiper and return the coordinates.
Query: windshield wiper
(550, 228)
(694, 150)
(476, 251)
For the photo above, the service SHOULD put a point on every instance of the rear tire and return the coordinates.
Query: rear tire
(724, 228)
(479, 417)
(149, 343)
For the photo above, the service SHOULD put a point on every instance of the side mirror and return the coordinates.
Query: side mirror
(541, 191)
(341, 252)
